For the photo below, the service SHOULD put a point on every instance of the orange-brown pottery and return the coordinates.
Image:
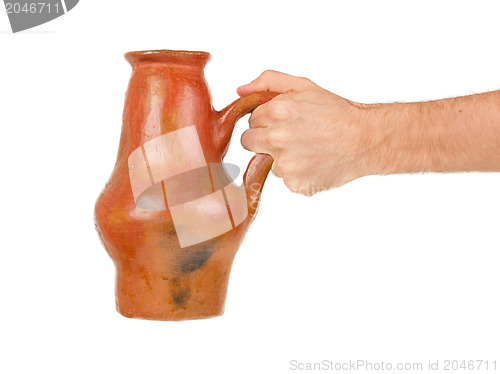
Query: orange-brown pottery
(170, 217)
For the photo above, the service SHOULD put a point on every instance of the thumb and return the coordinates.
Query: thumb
(276, 81)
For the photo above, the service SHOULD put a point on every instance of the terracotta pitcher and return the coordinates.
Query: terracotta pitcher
(170, 217)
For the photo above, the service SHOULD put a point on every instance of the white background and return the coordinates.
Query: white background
(394, 269)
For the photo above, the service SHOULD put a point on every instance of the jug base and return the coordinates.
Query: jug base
(170, 317)
(173, 297)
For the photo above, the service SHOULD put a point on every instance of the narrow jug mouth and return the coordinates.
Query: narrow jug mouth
(166, 56)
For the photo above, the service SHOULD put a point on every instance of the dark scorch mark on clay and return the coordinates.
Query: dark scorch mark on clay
(196, 259)
(180, 296)
(179, 291)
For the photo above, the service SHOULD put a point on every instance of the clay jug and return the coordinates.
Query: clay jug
(170, 217)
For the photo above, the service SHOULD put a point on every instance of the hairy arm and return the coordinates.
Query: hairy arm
(320, 140)
(456, 134)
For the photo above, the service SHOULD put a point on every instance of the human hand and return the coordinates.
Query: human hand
(315, 137)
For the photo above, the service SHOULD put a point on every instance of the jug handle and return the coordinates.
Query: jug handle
(259, 166)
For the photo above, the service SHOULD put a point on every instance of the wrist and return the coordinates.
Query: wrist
(381, 137)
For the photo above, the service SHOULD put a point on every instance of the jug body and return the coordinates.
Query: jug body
(170, 217)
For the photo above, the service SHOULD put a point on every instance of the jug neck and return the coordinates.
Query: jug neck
(167, 92)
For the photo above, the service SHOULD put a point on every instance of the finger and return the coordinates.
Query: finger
(275, 170)
(275, 112)
(255, 140)
(271, 80)
(258, 118)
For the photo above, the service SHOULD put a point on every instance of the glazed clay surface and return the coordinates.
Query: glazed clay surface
(170, 217)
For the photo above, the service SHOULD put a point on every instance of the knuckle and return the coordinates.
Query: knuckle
(277, 138)
(306, 81)
(278, 110)
(267, 74)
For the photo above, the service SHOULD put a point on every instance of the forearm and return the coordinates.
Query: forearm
(456, 134)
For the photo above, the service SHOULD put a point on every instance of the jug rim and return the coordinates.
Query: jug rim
(182, 57)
